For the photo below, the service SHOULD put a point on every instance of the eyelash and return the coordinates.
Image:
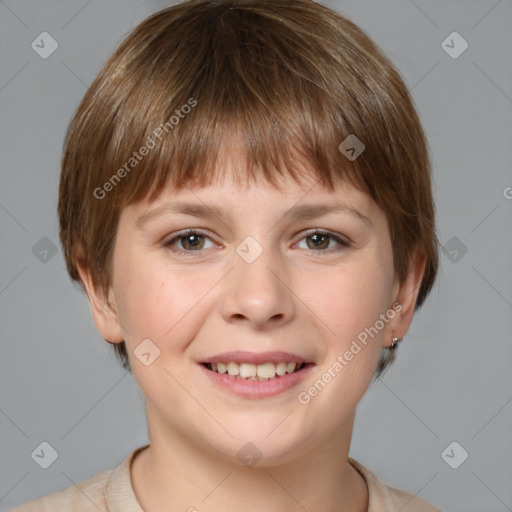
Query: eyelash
(344, 244)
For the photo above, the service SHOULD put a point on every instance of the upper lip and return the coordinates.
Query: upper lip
(255, 358)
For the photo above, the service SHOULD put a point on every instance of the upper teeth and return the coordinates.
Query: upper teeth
(255, 371)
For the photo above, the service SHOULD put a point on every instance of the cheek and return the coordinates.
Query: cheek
(349, 302)
(159, 302)
(349, 299)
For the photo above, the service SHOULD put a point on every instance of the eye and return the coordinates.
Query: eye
(190, 241)
(320, 241)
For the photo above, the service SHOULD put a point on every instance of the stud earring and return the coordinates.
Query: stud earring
(394, 343)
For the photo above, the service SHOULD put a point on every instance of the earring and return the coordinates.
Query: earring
(394, 344)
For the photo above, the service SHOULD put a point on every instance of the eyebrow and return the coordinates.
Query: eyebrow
(297, 212)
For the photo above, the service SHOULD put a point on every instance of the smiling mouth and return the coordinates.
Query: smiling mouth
(260, 372)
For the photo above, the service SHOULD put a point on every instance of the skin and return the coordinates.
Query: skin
(294, 297)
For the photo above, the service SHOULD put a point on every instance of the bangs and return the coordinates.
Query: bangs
(242, 84)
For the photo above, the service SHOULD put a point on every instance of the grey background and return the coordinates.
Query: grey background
(60, 382)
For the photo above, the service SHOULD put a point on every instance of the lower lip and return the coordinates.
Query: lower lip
(257, 388)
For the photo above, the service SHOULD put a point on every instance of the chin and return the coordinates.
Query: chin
(261, 444)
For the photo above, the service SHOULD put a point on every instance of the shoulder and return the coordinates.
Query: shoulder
(110, 490)
(87, 495)
(382, 498)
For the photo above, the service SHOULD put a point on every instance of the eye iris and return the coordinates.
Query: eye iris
(319, 241)
(192, 240)
(196, 241)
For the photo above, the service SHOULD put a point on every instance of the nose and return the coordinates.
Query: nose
(257, 294)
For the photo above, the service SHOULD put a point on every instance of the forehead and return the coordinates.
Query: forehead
(232, 194)
(232, 183)
(231, 201)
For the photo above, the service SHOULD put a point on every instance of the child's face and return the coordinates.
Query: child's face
(224, 297)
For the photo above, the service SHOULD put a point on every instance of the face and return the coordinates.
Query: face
(254, 314)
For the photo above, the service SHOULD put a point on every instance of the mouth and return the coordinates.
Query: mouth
(266, 371)
(256, 375)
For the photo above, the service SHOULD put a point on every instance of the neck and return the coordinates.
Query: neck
(175, 474)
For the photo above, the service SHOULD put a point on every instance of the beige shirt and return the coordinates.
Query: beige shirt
(112, 491)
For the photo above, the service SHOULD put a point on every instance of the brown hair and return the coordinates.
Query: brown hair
(291, 77)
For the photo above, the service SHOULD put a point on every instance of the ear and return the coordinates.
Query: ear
(404, 298)
(102, 308)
